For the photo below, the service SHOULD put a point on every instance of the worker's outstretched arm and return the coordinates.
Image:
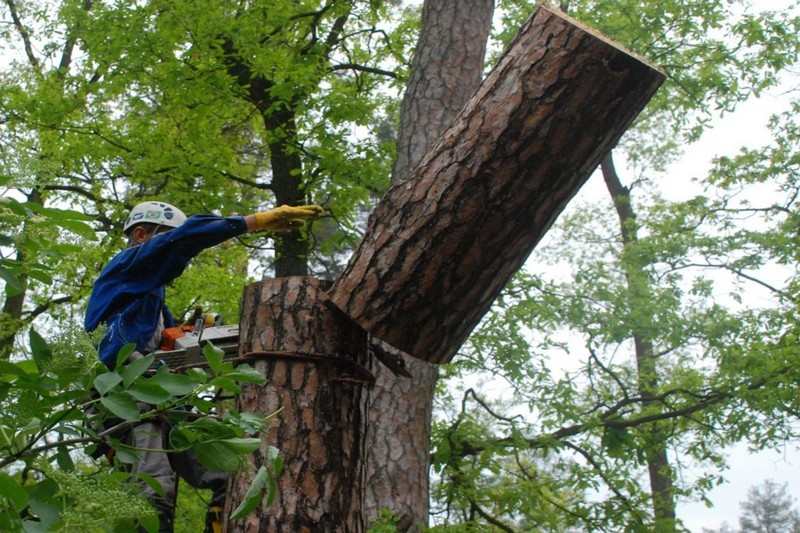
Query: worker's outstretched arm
(282, 218)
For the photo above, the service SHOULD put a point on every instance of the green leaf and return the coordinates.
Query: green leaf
(28, 366)
(16, 207)
(149, 522)
(217, 455)
(40, 350)
(246, 374)
(226, 383)
(124, 353)
(58, 214)
(123, 453)
(136, 368)
(16, 495)
(105, 382)
(149, 392)
(181, 438)
(175, 384)
(13, 283)
(273, 454)
(253, 495)
(242, 446)
(197, 375)
(41, 275)
(79, 228)
(214, 356)
(12, 369)
(121, 405)
(64, 460)
(213, 429)
(47, 512)
(273, 490)
(152, 482)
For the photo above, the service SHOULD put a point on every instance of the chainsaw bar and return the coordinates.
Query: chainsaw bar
(189, 348)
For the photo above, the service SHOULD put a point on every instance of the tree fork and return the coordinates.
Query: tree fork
(441, 245)
(314, 359)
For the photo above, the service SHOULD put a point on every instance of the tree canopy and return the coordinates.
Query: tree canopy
(237, 106)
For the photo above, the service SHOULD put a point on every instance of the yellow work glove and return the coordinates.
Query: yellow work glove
(197, 313)
(285, 217)
(208, 318)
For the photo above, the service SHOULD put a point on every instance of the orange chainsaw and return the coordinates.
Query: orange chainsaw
(183, 345)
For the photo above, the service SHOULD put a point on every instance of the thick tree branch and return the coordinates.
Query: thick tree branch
(364, 68)
(704, 401)
(26, 37)
(249, 183)
(43, 308)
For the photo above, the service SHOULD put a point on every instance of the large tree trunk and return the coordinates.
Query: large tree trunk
(441, 245)
(446, 70)
(639, 297)
(315, 360)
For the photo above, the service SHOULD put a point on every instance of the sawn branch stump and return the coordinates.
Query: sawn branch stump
(314, 359)
(441, 245)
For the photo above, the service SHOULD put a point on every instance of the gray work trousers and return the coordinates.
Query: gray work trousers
(149, 438)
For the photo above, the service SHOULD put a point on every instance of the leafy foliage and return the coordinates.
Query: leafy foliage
(50, 415)
(229, 108)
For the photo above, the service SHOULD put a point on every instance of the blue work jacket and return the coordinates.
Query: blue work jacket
(128, 296)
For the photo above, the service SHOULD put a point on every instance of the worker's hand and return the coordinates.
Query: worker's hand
(208, 318)
(285, 217)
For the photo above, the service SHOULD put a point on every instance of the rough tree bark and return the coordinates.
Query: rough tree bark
(639, 295)
(446, 70)
(314, 361)
(441, 245)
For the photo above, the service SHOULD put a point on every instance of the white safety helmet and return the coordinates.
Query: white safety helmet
(158, 213)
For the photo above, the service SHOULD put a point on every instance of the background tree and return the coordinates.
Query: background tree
(769, 508)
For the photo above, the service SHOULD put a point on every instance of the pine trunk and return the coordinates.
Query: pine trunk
(447, 68)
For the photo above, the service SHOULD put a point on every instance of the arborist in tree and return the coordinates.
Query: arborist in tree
(128, 298)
